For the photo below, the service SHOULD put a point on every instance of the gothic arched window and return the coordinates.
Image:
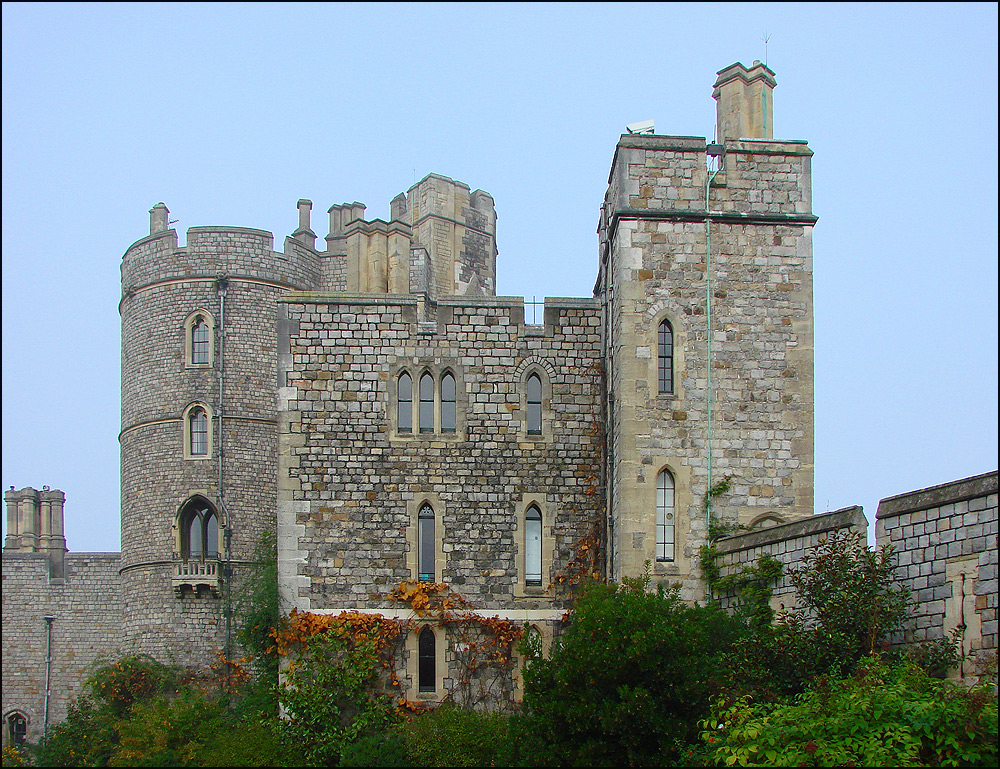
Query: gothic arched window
(426, 403)
(404, 403)
(448, 411)
(534, 404)
(665, 357)
(533, 547)
(198, 432)
(425, 544)
(199, 342)
(665, 516)
(426, 662)
(17, 728)
(199, 526)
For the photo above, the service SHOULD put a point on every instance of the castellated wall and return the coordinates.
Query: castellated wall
(946, 544)
(87, 615)
(653, 268)
(351, 481)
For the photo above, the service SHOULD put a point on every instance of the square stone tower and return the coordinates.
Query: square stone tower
(706, 283)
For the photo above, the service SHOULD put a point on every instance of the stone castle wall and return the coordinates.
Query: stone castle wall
(351, 482)
(87, 614)
(946, 544)
(787, 543)
(653, 267)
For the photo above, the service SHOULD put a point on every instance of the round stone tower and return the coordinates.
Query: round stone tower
(198, 438)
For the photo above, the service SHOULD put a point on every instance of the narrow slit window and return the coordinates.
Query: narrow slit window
(404, 403)
(534, 405)
(426, 403)
(199, 432)
(665, 357)
(533, 547)
(425, 544)
(665, 516)
(448, 411)
(211, 536)
(199, 342)
(426, 667)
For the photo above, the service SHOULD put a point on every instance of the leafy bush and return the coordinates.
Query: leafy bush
(627, 681)
(330, 699)
(881, 716)
(384, 749)
(450, 736)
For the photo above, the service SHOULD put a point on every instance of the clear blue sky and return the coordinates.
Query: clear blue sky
(230, 114)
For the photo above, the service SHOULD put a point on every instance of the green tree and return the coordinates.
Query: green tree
(627, 681)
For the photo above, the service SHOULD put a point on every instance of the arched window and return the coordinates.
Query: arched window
(665, 357)
(426, 667)
(425, 544)
(199, 332)
(199, 526)
(404, 403)
(533, 547)
(534, 403)
(426, 403)
(448, 413)
(198, 432)
(199, 342)
(17, 728)
(665, 516)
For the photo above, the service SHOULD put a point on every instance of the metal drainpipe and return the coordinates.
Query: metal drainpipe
(48, 673)
(708, 322)
(221, 285)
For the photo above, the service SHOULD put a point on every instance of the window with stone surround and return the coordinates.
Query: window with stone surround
(665, 516)
(426, 661)
(199, 531)
(199, 340)
(16, 726)
(425, 544)
(428, 402)
(665, 358)
(197, 420)
(533, 547)
(534, 404)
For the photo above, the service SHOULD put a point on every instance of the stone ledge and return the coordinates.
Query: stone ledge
(845, 518)
(936, 496)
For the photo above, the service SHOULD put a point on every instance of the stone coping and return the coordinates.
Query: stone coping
(310, 297)
(936, 496)
(845, 518)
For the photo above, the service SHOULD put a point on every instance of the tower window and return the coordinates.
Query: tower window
(199, 531)
(533, 547)
(534, 403)
(426, 663)
(404, 403)
(425, 544)
(426, 403)
(198, 434)
(665, 357)
(665, 516)
(199, 342)
(448, 413)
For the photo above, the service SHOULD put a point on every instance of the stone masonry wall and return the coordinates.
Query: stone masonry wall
(654, 246)
(87, 611)
(946, 542)
(788, 543)
(350, 483)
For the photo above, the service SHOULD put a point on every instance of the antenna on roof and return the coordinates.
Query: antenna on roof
(642, 127)
(765, 38)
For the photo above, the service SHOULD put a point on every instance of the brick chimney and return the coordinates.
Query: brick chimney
(744, 106)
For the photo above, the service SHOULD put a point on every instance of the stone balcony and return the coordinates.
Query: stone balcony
(201, 576)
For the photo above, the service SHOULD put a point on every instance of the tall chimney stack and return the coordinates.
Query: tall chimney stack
(744, 106)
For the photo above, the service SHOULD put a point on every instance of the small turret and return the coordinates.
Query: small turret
(745, 109)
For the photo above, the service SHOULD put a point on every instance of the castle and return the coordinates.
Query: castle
(371, 400)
